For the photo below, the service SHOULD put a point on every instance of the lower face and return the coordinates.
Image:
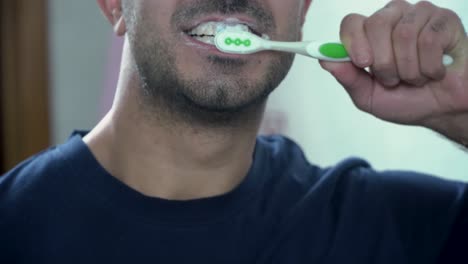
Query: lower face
(188, 74)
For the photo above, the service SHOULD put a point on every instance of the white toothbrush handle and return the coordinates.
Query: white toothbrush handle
(294, 47)
(306, 48)
(313, 49)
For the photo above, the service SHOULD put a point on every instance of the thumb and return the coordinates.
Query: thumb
(357, 82)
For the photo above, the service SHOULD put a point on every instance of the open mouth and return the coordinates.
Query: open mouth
(206, 32)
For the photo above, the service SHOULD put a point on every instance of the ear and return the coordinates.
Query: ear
(112, 9)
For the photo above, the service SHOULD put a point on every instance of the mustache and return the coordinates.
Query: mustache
(199, 8)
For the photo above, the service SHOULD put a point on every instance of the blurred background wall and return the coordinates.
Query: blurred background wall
(79, 43)
(310, 106)
(24, 95)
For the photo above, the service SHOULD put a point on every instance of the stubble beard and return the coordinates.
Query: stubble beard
(220, 98)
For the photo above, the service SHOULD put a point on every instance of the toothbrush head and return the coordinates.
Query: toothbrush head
(238, 42)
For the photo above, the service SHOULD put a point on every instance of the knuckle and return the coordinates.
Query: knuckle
(406, 33)
(440, 23)
(378, 21)
(409, 59)
(361, 104)
(449, 14)
(397, 3)
(350, 18)
(350, 21)
(427, 40)
(351, 26)
(425, 5)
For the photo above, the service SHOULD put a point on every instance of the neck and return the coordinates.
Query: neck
(169, 158)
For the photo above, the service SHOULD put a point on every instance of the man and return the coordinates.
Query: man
(175, 174)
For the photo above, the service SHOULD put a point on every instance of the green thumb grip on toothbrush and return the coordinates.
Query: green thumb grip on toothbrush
(334, 50)
(242, 42)
(338, 51)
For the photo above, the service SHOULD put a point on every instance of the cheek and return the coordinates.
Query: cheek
(288, 21)
(156, 15)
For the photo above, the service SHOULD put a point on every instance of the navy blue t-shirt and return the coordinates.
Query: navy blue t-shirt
(61, 206)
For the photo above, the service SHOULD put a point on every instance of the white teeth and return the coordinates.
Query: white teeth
(208, 40)
(207, 31)
(238, 27)
(211, 28)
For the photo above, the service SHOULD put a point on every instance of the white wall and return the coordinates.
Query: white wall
(79, 39)
(329, 128)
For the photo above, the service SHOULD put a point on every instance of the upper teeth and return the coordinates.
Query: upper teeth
(211, 28)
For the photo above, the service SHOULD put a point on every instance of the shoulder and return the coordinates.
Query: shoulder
(419, 211)
(294, 182)
(405, 196)
(25, 192)
(414, 210)
(35, 183)
(407, 190)
(44, 169)
(287, 158)
(411, 213)
(352, 185)
(356, 177)
(27, 175)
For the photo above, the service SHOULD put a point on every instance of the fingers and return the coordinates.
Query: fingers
(379, 28)
(405, 43)
(355, 40)
(402, 43)
(435, 40)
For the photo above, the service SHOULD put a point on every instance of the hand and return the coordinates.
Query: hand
(403, 45)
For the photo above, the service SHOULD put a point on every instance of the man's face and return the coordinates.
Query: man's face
(182, 70)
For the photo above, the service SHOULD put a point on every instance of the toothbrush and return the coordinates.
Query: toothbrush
(243, 42)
